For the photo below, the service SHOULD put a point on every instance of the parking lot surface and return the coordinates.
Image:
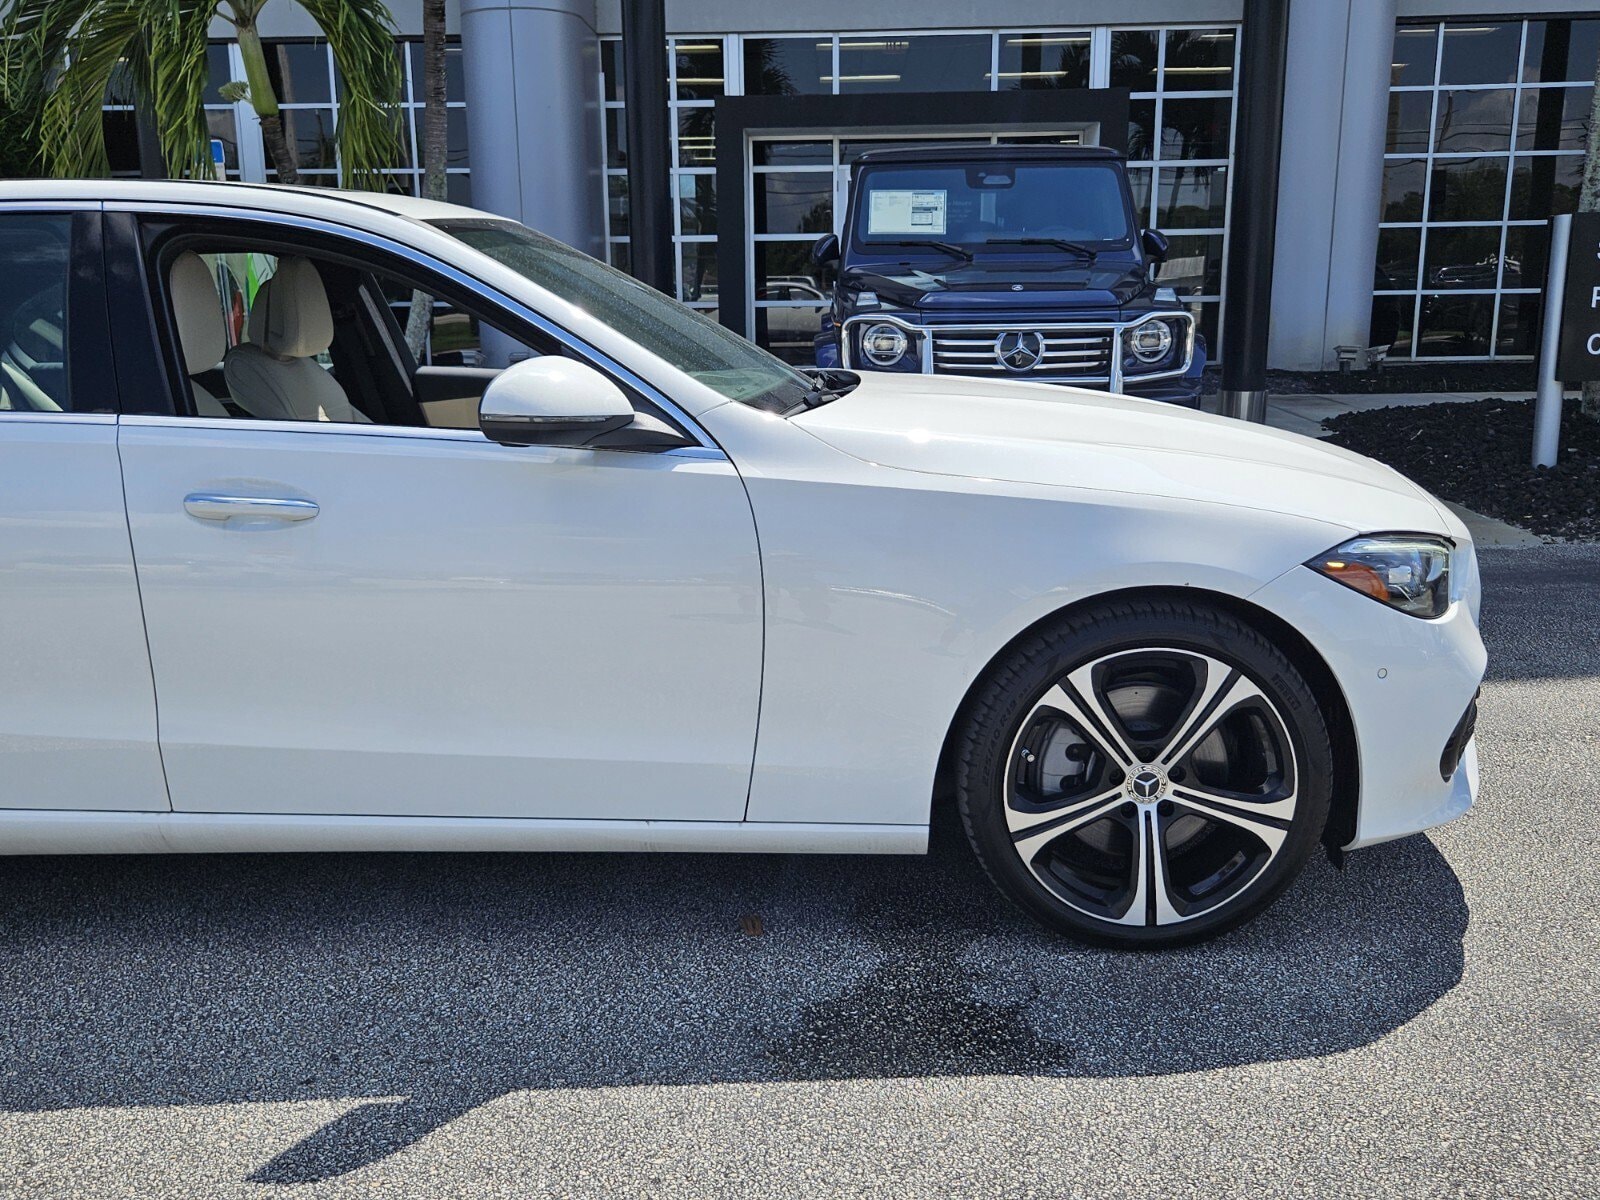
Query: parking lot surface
(1423, 1024)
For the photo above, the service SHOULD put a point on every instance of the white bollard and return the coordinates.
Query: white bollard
(1547, 403)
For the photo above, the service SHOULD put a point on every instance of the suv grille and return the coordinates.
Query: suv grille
(1065, 353)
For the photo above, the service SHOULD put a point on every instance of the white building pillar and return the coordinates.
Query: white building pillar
(1335, 118)
(533, 115)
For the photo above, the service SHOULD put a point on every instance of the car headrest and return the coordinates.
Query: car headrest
(197, 308)
(291, 317)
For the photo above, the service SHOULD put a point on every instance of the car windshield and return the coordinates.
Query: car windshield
(1014, 206)
(723, 361)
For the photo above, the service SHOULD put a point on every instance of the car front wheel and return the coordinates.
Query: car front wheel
(1144, 773)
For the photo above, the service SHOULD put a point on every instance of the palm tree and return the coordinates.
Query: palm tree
(68, 51)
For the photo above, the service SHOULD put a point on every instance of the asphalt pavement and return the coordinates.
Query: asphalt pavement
(1426, 1023)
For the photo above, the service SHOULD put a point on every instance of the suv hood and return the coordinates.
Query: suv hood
(1009, 285)
(1068, 437)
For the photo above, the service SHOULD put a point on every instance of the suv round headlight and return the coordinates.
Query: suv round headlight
(1151, 342)
(883, 345)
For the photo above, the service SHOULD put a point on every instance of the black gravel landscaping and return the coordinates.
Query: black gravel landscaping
(1408, 377)
(1477, 455)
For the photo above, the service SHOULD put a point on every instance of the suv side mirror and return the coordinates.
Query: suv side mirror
(1156, 246)
(825, 249)
(551, 401)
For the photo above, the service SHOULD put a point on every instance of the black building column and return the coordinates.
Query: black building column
(644, 93)
(1247, 313)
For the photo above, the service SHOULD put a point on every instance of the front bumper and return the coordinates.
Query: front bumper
(1407, 683)
(1071, 353)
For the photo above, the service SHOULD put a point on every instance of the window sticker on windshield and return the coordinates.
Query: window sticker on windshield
(918, 212)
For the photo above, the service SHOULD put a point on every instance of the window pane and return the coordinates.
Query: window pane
(1410, 116)
(789, 332)
(783, 262)
(1455, 326)
(1139, 181)
(1199, 60)
(1527, 256)
(1468, 189)
(1479, 52)
(788, 66)
(217, 73)
(914, 64)
(697, 138)
(793, 202)
(1194, 267)
(1142, 129)
(782, 154)
(619, 257)
(1206, 315)
(299, 72)
(310, 135)
(1462, 257)
(1518, 332)
(34, 258)
(699, 67)
(1391, 324)
(1195, 128)
(1044, 60)
(611, 69)
(1561, 50)
(220, 125)
(456, 138)
(616, 137)
(1192, 198)
(699, 270)
(697, 203)
(1415, 47)
(458, 188)
(1545, 186)
(1473, 121)
(1402, 189)
(122, 141)
(1554, 118)
(617, 204)
(454, 86)
(1397, 258)
(1133, 59)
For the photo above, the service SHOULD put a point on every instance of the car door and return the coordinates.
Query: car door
(77, 708)
(355, 618)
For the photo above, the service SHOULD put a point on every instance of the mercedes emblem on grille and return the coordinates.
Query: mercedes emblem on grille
(1019, 351)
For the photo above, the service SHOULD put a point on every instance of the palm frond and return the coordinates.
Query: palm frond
(33, 38)
(361, 34)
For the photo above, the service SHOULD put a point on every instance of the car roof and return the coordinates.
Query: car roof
(273, 196)
(959, 152)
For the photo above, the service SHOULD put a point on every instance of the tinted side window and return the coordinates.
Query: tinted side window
(35, 263)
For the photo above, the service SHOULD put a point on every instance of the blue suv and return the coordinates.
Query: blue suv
(1019, 262)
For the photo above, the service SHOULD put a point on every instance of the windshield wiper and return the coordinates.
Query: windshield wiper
(949, 248)
(827, 384)
(1077, 248)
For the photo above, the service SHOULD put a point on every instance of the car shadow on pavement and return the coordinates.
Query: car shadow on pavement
(422, 986)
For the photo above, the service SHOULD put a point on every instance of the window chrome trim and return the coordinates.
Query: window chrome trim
(1117, 330)
(456, 275)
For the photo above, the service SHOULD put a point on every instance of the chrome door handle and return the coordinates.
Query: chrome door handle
(209, 506)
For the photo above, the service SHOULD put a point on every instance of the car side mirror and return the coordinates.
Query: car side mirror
(825, 249)
(551, 401)
(1156, 249)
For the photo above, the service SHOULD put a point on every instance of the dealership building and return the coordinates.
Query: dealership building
(1425, 143)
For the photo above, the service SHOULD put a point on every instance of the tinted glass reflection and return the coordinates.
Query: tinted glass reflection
(788, 66)
(1455, 326)
(1480, 52)
(1473, 120)
(1468, 189)
(1044, 60)
(958, 63)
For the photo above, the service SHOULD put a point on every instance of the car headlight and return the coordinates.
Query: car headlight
(883, 344)
(1410, 572)
(1150, 342)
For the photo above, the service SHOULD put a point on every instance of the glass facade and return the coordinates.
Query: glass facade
(309, 89)
(1180, 145)
(1487, 126)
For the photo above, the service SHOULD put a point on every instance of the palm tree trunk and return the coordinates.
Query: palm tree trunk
(434, 148)
(265, 102)
(1589, 201)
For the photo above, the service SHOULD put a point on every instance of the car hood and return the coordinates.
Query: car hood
(1067, 437)
(1012, 286)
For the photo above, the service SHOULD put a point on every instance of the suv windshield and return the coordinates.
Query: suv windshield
(1009, 203)
(721, 360)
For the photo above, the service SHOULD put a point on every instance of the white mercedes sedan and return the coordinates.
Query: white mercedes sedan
(574, 568)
